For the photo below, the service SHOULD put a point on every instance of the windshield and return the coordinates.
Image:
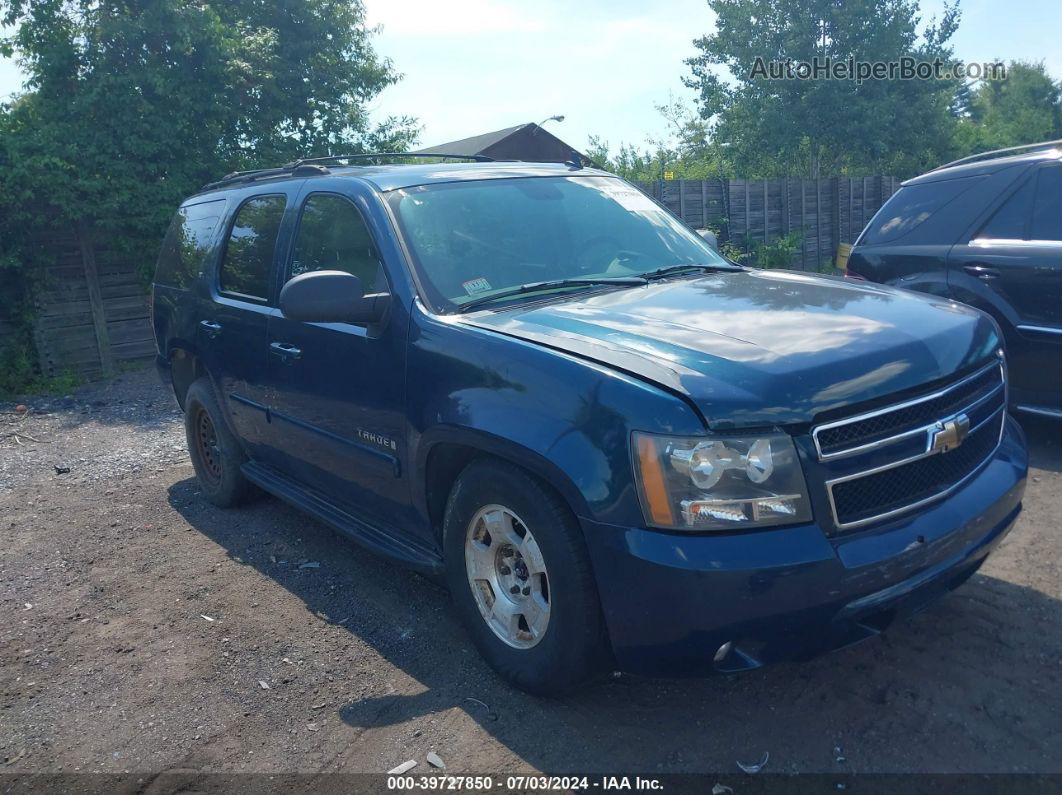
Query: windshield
(473, 239)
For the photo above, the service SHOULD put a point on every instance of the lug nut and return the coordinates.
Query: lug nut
(505, 570)
(515, 589)
(527, 591)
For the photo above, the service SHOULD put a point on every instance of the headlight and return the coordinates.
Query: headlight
(720, 482)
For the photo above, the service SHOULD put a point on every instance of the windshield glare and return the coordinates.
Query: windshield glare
(472, 239)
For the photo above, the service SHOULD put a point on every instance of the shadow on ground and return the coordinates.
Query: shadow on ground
(970, 685)
(1045, 441)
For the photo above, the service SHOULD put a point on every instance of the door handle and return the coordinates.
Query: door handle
(285, 351)
(212, 329)
(981, 272)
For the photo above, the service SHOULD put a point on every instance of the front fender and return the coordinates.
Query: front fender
(567, 419)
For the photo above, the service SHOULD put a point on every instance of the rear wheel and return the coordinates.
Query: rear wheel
(521, 580)
(215, 452)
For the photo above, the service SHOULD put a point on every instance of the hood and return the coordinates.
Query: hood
(755, 348)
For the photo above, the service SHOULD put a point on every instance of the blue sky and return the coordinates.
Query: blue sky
(473, 66)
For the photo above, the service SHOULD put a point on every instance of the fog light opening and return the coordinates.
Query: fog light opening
(723, 651)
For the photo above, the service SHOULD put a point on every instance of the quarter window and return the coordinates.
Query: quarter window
(248, 265)
(187, 243)
(333, 236)
(1047, 209)
(1011, 220)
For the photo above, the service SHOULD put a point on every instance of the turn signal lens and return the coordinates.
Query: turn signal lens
(653, 487)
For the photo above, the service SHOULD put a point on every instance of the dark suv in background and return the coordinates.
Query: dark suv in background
(617, 448)
(985, 230)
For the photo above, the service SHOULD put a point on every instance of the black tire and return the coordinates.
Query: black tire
(573, 647)
(215, 453)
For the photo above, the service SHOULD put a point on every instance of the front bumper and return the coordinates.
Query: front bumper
(671, 600)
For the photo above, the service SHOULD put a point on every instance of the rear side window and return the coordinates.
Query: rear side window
(187, 243)
(247, 268)
(1047, 209)
(912, 206)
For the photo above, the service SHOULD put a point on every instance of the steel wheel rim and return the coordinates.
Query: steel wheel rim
(206, 441)
(507, 575)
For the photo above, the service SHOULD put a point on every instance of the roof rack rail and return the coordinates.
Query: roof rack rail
(313, 166)
(374, 155)
(292, 169)
(1042, 146)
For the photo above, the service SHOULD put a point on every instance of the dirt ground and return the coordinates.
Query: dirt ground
(146, 630)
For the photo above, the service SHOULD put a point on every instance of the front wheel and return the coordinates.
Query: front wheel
(521, 580)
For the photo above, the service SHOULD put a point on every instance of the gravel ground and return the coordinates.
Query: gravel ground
(128, 426)
(147, 631)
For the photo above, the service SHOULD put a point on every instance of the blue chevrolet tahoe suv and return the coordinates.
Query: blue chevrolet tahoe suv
(619, 449)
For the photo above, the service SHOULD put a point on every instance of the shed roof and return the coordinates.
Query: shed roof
(528, 142)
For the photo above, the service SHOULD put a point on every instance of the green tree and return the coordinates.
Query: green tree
(133, 104)
(684, 149)
(1025, 108)
(824, 126)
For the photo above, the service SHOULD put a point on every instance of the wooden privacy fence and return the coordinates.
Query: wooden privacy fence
(92, 308)
(826, 212)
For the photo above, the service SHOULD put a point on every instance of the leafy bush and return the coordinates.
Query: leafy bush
(779, 253)
(19, 376)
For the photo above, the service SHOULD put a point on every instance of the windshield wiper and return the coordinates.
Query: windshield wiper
(668, 270)
(534, 287)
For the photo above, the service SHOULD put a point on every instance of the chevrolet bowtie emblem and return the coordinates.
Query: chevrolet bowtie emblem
(950, 434)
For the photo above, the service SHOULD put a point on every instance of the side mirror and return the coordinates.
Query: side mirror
(709, 238)
(331, 297)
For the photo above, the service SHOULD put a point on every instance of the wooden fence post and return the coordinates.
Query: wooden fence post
(818, 221)
(766, 202)
(835, 216)
(92, 279)
(851, 212)
(786, 226)
(40, 343)
(803, 228)
(748, 216)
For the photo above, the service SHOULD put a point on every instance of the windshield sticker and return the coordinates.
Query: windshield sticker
(632, 199)
(477, 285)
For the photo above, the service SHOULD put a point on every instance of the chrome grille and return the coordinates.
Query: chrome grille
(894, 459)
(922, 479)
(876, 428)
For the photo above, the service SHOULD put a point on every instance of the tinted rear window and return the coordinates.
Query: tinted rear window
(187, 242)
(912, 206)
(247, 268)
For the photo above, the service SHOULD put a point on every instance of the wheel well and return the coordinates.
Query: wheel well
(185, 369)
(445, 462)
